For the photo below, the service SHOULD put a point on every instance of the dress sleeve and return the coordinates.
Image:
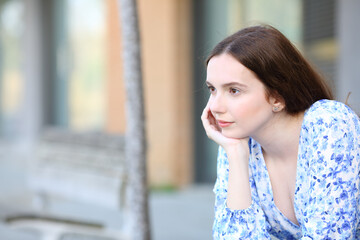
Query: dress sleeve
(249, 223)
(331, 210)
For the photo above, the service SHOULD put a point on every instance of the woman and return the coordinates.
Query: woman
(289, 156)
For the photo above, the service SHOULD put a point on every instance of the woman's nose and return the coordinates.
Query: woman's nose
(217, 104)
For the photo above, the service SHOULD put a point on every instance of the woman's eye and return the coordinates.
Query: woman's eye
(211, 89)
(234, 91)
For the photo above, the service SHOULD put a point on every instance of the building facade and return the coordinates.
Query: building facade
(61, 65)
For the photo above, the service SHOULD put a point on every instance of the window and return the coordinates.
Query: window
(80, 57)
(11, 13)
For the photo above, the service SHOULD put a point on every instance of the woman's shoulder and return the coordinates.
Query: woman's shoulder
(329, 118)
(330, 131)
(326, 111)
(327, 107)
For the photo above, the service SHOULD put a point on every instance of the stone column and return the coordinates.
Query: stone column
(30, 111)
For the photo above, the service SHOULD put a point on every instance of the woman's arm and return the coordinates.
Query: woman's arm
(238, 195)
(248, 223)
(237, 214)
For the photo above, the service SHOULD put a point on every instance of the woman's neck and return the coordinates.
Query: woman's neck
(280, 139)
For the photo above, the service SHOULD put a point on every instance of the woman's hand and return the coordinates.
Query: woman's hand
(213, 132)
(237, 150)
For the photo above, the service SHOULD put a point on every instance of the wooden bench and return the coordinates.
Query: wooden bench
(84, 167)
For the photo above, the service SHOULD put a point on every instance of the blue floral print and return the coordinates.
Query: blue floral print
(326, 198)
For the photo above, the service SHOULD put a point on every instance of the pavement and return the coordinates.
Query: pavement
(186, 214)
(181, 214)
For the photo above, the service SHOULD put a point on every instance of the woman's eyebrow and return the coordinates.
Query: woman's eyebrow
(228, 84)
(234, 83)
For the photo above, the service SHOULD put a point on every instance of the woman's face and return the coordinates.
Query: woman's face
(238, 100)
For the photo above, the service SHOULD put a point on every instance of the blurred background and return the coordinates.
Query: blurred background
(61, 67)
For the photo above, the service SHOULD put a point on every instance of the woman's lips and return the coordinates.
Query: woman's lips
(224, 124)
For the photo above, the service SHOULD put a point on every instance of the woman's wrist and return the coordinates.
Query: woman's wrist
(239, 194)
(239, 152)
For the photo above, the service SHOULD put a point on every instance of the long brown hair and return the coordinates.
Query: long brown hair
(278, 64)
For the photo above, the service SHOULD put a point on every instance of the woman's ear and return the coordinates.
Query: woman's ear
(277, 103)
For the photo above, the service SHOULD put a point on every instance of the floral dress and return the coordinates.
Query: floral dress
(327, 194)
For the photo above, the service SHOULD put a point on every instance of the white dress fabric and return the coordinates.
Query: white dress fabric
(326, 198)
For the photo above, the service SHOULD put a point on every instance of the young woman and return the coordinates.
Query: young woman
(289, 156)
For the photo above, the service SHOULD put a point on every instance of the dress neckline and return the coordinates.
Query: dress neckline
(269, 186)
(268, 182)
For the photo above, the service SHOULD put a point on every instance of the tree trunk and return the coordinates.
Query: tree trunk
(137, 216)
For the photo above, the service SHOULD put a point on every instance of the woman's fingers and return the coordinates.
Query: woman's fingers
(213, 131)
(213, 122)
(210, 125)
(205, 120)
(211, 119)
